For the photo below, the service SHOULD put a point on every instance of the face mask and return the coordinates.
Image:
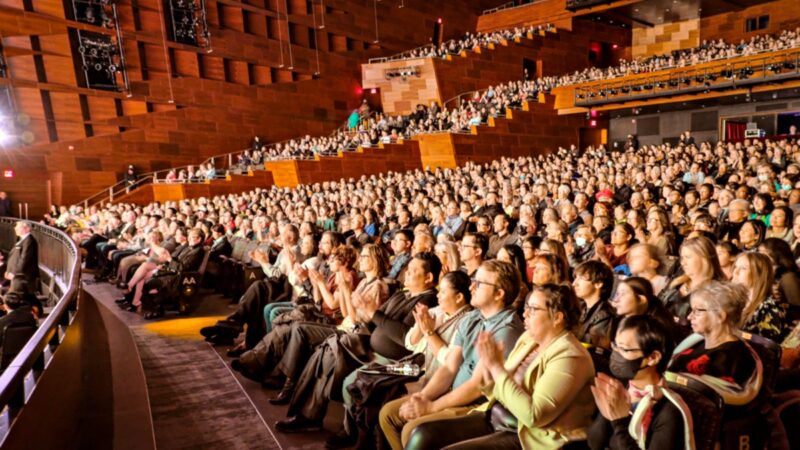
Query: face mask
(762, 178)
(624, 369)
(580, 242)
(786, 187)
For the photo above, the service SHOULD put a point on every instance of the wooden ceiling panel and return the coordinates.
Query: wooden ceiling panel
(22, 68)
(53, 8)
(59, 70)
(101, 108)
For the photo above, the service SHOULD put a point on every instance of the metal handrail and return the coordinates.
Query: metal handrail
(675, 66)
(722, 74)
(60, 258)
(509, 5)
(401, 55)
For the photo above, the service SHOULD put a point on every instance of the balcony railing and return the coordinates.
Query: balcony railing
(712, 77)
(59, 267)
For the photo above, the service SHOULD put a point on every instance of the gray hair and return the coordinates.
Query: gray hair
(741, 203)
(727, 297)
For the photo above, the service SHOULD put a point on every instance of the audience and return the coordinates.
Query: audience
(608, 256)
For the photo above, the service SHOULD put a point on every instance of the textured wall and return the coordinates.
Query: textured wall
(660, 39)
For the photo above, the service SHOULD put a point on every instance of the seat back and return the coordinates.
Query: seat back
(706, 406)
(247, 256)
(204, 264)
(770, 354)
(239, 246)
(14, 338)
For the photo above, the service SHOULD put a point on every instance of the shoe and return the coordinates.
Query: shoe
(298, 424)
(342, 439)
(273, 383)
(244, 370)
(207, 332)
(124, 305)
(284, 397)
(121, 300)
(237, 365)
(155, 314)
(236, 352)
(133, 308)
(220, 339)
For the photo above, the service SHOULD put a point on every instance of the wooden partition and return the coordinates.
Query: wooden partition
(163, 192)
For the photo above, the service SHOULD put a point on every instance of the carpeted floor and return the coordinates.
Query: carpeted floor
(196, 402)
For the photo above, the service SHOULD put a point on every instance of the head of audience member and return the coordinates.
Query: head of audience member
(738, 210)
(635, 296)
(645, 260)
(780, 253)
(22, 228)
(454, 291)
(343, 259)
(473, 248)
(328, 242)
(448, 254)
(512, 254)
(717, 308)
(500, 225)
(423, 243)
(641, 350)
(484, 225)
(550, 310)
(699, 262)
(593, 282)
(422, 273)
(195, 237)
(374, 260)
(530, 247)
(548, 269)
(402, 241)
(308, 247)
(753, 271)
(495, 286)
(752, 234)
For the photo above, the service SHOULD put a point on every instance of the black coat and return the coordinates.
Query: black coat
(5, 207)
(190, 257)
(392, 321)
(23, 261)
(19, 316)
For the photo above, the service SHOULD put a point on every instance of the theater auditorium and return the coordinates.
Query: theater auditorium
(399, 224)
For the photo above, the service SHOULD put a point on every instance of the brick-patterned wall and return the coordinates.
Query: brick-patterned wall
(661, 39)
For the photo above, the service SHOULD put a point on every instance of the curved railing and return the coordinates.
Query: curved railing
(59, 267)
(720, 75)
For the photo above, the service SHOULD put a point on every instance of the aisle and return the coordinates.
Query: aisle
(195, 400)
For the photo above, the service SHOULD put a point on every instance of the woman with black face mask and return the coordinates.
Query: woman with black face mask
(637, 411)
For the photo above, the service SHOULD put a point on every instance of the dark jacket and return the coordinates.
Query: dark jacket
(221, 248)
(190, 257)
(19, 316)
(665, 431)
(392, 321)
(24, 261)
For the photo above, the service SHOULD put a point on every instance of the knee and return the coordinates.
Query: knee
(422, 436)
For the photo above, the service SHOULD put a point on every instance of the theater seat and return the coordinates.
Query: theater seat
(706, 406)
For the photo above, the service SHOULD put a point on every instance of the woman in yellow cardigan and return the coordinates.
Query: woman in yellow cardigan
(539, 399)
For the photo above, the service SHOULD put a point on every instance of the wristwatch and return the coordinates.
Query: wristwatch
(430, 333)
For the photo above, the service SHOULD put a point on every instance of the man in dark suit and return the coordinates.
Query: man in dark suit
(5, 205)
(23, 261)
(18, 312)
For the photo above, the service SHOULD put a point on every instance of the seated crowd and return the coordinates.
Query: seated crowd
(537, 302)
(476, 109)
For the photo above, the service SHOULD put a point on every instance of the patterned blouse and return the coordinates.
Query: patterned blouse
(768, 320)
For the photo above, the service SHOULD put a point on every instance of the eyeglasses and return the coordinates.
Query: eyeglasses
(478, 283)
(619, 349)
(534, 308)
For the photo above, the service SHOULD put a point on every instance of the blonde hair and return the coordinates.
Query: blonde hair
(761, 278)
(707, 253)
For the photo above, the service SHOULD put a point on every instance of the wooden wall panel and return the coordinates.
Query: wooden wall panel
(784, 15)
(663, 39)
